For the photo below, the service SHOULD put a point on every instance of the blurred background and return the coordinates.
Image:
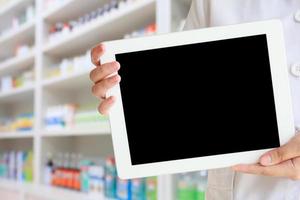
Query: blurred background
(53, 143)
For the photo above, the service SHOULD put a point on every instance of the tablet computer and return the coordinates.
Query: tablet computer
(199, 99)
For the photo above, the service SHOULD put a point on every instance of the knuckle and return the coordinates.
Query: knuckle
(92, 74)
(262, 172)
(277, 155)
(107, 82)
(98, 90)
(93, 54)
(101, 70)
(296, 176)
(94, 89)
(116, 64)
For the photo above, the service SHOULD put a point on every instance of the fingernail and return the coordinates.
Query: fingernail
(117, 65)
(102, 47)
(117, 78)
(266, 160)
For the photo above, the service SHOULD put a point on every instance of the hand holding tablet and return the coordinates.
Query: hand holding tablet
(221, 97)
(103, 78)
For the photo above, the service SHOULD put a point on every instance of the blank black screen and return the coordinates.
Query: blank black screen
(198, 100)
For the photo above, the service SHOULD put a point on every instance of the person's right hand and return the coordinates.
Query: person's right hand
(103, 79)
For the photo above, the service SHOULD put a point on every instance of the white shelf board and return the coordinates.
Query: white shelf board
(54, 193)
(18, 94)
(14, 6)
(16, 186)
(45, 192)
(14, 135)
(72, 81)
(103, 128)
(16, 62)
(111, 26)
(70, 9)
(76, 132)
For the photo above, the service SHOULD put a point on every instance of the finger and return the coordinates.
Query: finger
(106, 105)
(100, 89)
(105, 70)
(280, 170)
(283, 153)
(96, 53)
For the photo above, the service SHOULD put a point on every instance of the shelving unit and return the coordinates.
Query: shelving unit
(63, 89)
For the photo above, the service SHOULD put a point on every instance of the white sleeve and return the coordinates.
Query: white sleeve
(197, 17)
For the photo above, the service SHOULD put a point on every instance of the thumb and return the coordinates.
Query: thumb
(283, 153)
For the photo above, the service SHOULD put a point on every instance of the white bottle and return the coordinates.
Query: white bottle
(48, 170)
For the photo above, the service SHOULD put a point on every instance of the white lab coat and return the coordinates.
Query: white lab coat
(223, 183)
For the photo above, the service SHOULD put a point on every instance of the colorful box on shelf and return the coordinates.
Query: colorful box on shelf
(89, 119)
(23, 122)
(148, 30)
(191, 186)
(60, 117)
(17, 166)
(71, 116)
(10, 82)
(69, 66)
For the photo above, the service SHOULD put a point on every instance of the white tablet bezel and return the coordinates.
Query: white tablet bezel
(274, 32)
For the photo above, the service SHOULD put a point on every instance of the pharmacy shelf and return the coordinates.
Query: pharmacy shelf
(69, 9)
(13, 7)
(69, 82)
(15, 135)
(18, 94)
(15, 63)
(111, 26)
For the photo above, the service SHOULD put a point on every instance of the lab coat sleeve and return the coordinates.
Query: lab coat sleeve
(197, 17)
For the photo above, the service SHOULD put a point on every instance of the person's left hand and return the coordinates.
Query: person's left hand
(281, 162)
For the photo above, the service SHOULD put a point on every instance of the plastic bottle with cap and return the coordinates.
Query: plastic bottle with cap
(201, 185)
(186, 186)
(151, 188)
(48, 170)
